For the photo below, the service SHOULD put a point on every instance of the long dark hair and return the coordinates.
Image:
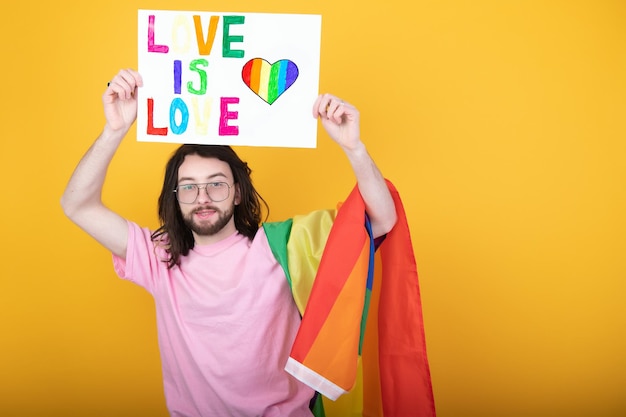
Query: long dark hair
(174, 235)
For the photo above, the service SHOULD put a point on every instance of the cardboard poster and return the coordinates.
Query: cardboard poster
(228, 78)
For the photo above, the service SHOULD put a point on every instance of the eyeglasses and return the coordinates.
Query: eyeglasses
(188, 193)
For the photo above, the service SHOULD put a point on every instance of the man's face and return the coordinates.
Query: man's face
(209, 221)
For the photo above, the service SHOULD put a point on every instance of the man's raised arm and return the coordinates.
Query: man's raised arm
(341, 121)
(82, 198)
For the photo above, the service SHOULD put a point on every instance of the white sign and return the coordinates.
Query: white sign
(228, 78)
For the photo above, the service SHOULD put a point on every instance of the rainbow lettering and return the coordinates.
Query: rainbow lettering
(269, 81)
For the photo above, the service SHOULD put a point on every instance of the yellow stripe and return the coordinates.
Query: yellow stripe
(264, 79)
(350, 404)
(308, 237)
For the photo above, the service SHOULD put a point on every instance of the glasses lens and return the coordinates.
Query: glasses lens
(217, 191)
(187, 193)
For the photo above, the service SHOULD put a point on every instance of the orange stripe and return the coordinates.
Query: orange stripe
(255, 75)
(333, 271)
(372, 395)
(344, 322)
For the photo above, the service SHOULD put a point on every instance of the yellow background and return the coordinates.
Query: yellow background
(502, 123)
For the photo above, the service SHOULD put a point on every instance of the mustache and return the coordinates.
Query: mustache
(207, 207)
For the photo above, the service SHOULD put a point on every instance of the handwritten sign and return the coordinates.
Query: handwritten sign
(228, 78)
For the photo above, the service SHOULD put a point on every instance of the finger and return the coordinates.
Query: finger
(337, 108)
(128, 82)
(125, 83)
(338, 113)
(136, 76)
(118, 89)
(316, 106)
(325, 105)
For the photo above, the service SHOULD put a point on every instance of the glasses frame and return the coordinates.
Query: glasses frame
(198, 188)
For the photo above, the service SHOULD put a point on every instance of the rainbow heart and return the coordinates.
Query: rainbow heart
(269, 81)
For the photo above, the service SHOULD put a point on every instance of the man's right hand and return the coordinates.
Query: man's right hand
(120, 100)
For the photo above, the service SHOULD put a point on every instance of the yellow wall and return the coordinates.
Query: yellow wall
(502, 123)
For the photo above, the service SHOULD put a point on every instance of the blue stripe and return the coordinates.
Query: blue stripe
(370, 272)
(282, 77)
(369, 284)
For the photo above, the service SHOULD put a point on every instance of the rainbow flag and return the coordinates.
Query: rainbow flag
(361, 343)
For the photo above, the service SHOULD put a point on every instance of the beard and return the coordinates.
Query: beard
(209, 229)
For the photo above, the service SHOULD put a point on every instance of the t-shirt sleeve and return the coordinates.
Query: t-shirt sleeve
(143, 259)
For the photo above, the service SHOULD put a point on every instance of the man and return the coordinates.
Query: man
(225, 314)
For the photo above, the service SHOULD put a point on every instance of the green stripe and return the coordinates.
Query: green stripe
(278, 235)
(318, 407)
(366, 308)
(272, 85)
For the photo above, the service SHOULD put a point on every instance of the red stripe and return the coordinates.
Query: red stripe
(333, 272)
(246, 72)
(404, 370)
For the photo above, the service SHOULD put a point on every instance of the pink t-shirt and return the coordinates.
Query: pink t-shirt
(226, 321)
